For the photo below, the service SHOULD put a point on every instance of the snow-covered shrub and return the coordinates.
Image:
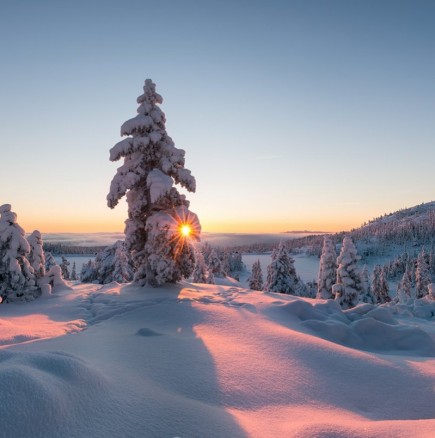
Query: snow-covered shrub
(255, 280)
(327, 270)
(152, 164)
(281, 273)
(52, 278)
(347, 289)
(17, 277)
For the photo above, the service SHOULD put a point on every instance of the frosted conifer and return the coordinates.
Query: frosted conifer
(380, 287)
(73, 275)
(199, 274)
(347, 289)
(422, 276)
(366, 293)
(50, 261)
(17, 278)
(214, 264)
(37, 256)
(64, 268)
(210, 277)
(327, 270)
(281, 273)
(404, 289)
(256, 279)
(156, 210)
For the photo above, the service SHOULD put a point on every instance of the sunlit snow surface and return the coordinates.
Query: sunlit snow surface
(213, 361)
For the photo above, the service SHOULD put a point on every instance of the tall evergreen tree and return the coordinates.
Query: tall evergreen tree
(159, 222)
(281, 273)
(327, 270)
(347, 289)
(256, 279)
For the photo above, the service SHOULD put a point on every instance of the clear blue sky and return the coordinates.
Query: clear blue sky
(293, 114)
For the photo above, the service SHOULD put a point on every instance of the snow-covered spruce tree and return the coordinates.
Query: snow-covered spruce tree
(281, 273)
(64, 268)
(215, 264)
(255, 281)
(111, 264)
(89, 273)
(210, 277)
(380, 287)
(327, 270)
(404, 288)
(17, 278)
(422, 276)
(50, 261)
(366, 292)
(73, 275)
(159, 222)
(36, 256)
(347, 289)
(199, 274)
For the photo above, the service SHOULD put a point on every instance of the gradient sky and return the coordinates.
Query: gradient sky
(293, 114)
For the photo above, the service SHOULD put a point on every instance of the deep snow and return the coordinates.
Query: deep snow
(194, 360)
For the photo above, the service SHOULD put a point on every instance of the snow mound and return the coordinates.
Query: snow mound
(47, 389)
(365, 327)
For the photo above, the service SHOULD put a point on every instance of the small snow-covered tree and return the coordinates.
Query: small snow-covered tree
(422, 275)
(64, 268)
(404, 289)
(380, 289)
(17, 278)
(50, 261)
(366, 293)
(347, 289)
(215, 265)
(73, 275)
(199, 274)
(327, 270)
(159, 222)
(281, 273)
(210, 277)
(89, 273)
(256, 279)
(36, 255)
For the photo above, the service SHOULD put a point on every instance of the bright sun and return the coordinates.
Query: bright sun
(185, 230)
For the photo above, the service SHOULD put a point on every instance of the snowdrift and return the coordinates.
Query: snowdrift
(213, 361)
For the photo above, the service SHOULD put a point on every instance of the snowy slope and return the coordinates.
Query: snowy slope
(213, 361)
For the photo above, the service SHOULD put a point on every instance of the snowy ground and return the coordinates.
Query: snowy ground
(212, 361)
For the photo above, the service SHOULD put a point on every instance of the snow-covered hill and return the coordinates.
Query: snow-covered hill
(210, 361)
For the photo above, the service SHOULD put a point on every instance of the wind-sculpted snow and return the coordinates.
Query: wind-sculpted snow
(46, 392)
(195, 360)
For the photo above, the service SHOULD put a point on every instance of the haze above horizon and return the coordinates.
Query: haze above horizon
(294, 115)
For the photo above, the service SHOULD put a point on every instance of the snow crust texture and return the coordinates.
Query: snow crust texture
(192, 360)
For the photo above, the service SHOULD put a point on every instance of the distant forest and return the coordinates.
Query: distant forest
(62, 249)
